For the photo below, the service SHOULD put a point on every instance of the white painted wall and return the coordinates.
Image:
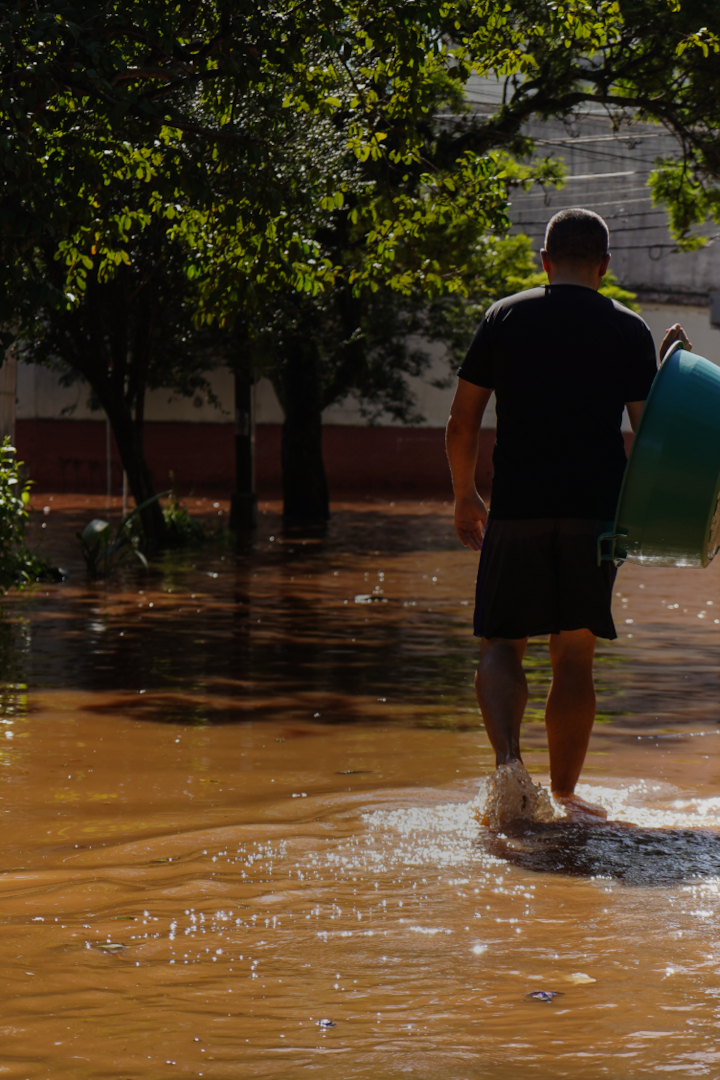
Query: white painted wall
(694, 319)
(39, 394)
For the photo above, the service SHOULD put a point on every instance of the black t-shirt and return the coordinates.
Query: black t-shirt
(563, 361)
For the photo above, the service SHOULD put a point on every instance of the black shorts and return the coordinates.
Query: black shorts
(540, 576)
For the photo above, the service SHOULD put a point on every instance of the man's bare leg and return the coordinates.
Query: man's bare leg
(570, 711)
(501, 689)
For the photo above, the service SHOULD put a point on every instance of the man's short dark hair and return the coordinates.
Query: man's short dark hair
(577, 234)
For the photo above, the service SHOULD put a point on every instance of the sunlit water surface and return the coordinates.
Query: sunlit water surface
(240, 801)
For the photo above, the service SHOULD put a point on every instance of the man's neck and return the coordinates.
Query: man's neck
(589, 281)
(575, 272)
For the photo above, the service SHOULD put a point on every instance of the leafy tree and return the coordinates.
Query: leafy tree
(320, 339)
(127, 334)
(188, 118)
(319, 350)
(654, 61)
(130, 130)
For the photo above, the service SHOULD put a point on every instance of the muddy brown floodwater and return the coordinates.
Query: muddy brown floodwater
(239, 798)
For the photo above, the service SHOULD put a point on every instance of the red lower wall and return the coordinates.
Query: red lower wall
(69, 455)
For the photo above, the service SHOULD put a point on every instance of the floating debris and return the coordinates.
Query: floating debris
(544, 995)
(326, 1023)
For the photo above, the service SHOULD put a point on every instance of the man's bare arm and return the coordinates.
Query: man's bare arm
(634, 411)
(463, 430)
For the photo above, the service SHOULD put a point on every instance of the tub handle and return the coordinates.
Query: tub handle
(609, 556)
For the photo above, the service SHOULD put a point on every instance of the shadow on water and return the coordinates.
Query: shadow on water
(631, 854)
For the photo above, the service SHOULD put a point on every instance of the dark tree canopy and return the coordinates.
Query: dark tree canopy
(305, 157)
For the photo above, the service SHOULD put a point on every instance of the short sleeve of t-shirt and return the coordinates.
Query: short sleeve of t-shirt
(477, 367)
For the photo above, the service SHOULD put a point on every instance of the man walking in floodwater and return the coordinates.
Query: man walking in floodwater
(563, 361)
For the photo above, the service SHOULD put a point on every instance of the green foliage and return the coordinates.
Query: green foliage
(362, 344)
(104, 550)
(18, 565)
(231, 126)
(196, 108)
(253, 161)
(183, 529)
(690, 197)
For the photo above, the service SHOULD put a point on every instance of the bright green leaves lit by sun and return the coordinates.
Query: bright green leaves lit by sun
(690, 197)
(244, 128)
(182, 182)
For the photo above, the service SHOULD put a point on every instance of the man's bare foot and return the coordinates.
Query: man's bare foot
(513, 799)
(578, 808)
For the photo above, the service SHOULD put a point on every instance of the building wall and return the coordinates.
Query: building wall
(70, 456)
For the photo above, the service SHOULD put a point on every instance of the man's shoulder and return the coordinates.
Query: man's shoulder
(518, 299)
(631, 318)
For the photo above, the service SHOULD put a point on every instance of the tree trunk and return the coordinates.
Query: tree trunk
(139, 478)
(243, 506)
(305, 490)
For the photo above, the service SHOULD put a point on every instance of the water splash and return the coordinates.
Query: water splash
(512, 798)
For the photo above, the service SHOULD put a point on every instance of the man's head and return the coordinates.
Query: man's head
(576, 248)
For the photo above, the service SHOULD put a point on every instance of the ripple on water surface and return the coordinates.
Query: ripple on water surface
(281, 831)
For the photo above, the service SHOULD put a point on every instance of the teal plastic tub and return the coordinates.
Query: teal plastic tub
(667, 513)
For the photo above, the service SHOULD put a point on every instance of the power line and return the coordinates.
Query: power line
(600, 153)
(528, 196)
(576, 139)
(640, 213)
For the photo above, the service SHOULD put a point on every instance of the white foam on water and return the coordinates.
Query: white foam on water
(653, 805)
(439, 835)
(512, 797)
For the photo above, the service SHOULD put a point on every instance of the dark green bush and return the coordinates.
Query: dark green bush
(18, 565)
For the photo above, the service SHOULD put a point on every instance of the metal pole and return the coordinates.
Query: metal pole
(108, 462)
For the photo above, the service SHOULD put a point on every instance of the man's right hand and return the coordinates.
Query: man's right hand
(470, 518)
(673, 334)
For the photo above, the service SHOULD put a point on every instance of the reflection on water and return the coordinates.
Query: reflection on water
(239, 803)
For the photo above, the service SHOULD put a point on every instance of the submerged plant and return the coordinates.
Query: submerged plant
(182, 528)
(103, 550)
(18, 565)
